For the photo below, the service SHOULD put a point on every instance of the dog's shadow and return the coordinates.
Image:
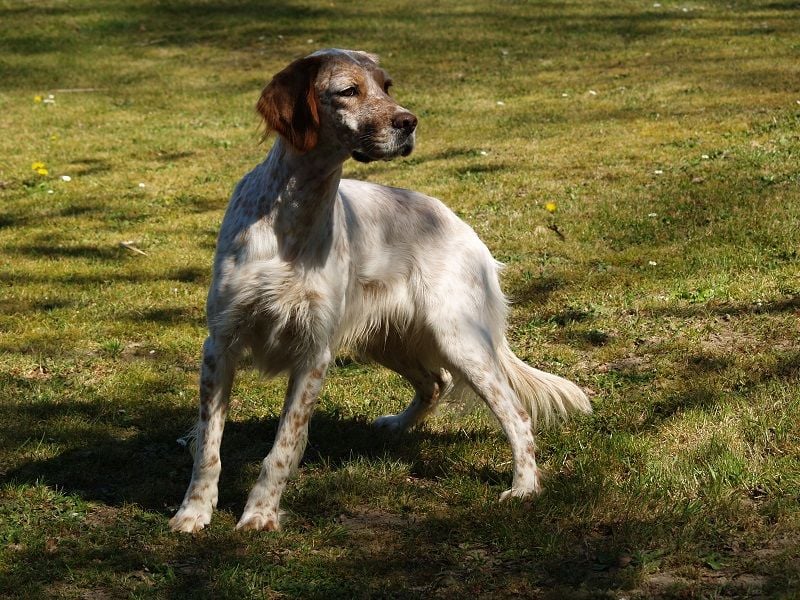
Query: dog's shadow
(152, 468)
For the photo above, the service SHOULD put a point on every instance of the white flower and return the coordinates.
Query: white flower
(50, 192)
(592, 93)
(651, 215)
(565, 95)
(500, 103)
(705, 156)
(652, 263)
(484, 153)
(141, 185)
(658, 172)
(66, 178)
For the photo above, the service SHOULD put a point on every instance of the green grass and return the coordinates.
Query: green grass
(669, 139)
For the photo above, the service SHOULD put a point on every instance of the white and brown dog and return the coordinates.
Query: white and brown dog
(308, 262)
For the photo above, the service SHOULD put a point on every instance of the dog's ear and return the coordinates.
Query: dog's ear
(289, 103)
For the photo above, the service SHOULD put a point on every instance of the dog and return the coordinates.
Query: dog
(308, 262)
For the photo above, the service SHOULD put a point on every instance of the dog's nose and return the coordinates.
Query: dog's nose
(405, 121)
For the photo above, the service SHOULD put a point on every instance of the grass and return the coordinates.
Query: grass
(666, 135)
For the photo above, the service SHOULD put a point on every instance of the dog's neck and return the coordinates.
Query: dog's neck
(301, 195)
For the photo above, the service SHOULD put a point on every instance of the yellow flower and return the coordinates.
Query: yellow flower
(550, 207)
(37, 165)
(37, 99)
(42, 171)
(54, 137)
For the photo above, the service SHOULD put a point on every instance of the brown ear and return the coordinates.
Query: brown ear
(289, 103)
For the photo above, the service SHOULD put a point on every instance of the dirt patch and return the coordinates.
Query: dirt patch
(372, 521)
(102, 516)
(629, 364)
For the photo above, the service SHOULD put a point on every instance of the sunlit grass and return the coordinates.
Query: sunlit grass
(634, 164)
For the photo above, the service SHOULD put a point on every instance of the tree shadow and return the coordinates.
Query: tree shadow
(81, 167)
(242, 27)
(123, 453)
(87, 251)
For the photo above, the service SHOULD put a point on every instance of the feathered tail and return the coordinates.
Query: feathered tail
(544, 395)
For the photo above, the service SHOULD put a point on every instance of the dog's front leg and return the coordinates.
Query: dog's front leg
(261, 511)
(216, 379)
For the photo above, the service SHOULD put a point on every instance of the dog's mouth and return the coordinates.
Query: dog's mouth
(404, 150)
(361, 157)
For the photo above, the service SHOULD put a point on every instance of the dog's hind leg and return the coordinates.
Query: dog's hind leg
(473, 360)
(493, 388)
(429, 387)
(261, 511)
(216, 379)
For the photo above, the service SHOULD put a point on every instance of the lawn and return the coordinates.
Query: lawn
(663, 137)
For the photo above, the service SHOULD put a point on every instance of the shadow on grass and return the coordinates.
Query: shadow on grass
(458, 550)
(151, 469)
(447, 33)
(181, 274)
(123, 454)
(105, 253)
(81, 167)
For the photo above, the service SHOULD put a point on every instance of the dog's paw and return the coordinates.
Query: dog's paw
(389, 423)
(521, 493)
(259, 522)
(189, 520)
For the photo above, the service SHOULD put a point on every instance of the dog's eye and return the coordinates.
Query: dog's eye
(351, 91)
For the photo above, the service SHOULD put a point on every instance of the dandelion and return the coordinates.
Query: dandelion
(37, 99)
(54, 137)
(39, 167)
(550, 207)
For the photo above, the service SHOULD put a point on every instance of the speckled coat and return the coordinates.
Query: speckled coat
(308, 262)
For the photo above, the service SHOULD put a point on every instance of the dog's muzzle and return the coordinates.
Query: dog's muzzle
(403, 125)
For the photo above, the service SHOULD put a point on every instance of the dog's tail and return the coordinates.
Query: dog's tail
(544, 395)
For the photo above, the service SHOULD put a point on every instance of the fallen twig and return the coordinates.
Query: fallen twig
(554, 228)
(129, 245)
(77, 90)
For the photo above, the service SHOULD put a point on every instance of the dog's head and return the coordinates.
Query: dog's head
(340, 99)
